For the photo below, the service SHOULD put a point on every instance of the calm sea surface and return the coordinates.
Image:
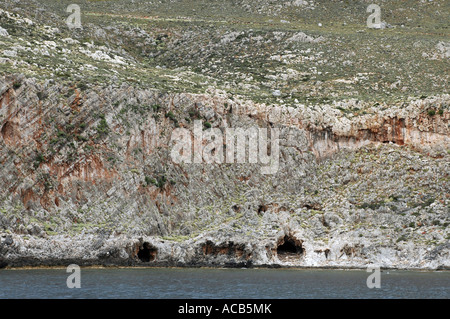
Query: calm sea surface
(222, 283)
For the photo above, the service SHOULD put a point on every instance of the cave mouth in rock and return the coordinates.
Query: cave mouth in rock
(289, 247)
(147, 252)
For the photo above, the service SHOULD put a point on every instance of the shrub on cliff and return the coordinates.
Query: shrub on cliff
(38, 160)
(102, 128)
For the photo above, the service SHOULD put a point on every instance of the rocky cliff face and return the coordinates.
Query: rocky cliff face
(88, 177)
(358, 124)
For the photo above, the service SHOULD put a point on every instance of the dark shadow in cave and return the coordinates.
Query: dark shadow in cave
(147, 252)
(289, 247)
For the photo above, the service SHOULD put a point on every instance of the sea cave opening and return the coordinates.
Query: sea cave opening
(147, 252)
(289, 247)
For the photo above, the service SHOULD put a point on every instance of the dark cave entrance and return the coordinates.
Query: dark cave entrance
(289, 248)
(147, 252)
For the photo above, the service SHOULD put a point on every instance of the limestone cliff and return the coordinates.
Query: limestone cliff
(88, 116)
(88, 177)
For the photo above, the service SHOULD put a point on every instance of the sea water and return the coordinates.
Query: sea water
(169, 283)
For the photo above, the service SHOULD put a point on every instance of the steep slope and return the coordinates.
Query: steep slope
(87, 138)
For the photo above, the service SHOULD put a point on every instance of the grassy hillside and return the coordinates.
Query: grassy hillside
(312, 52)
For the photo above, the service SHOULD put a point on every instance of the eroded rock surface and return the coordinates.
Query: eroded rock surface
(88, 116)
(87, 176)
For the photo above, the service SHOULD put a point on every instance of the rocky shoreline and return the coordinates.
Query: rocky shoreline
(121, 251)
